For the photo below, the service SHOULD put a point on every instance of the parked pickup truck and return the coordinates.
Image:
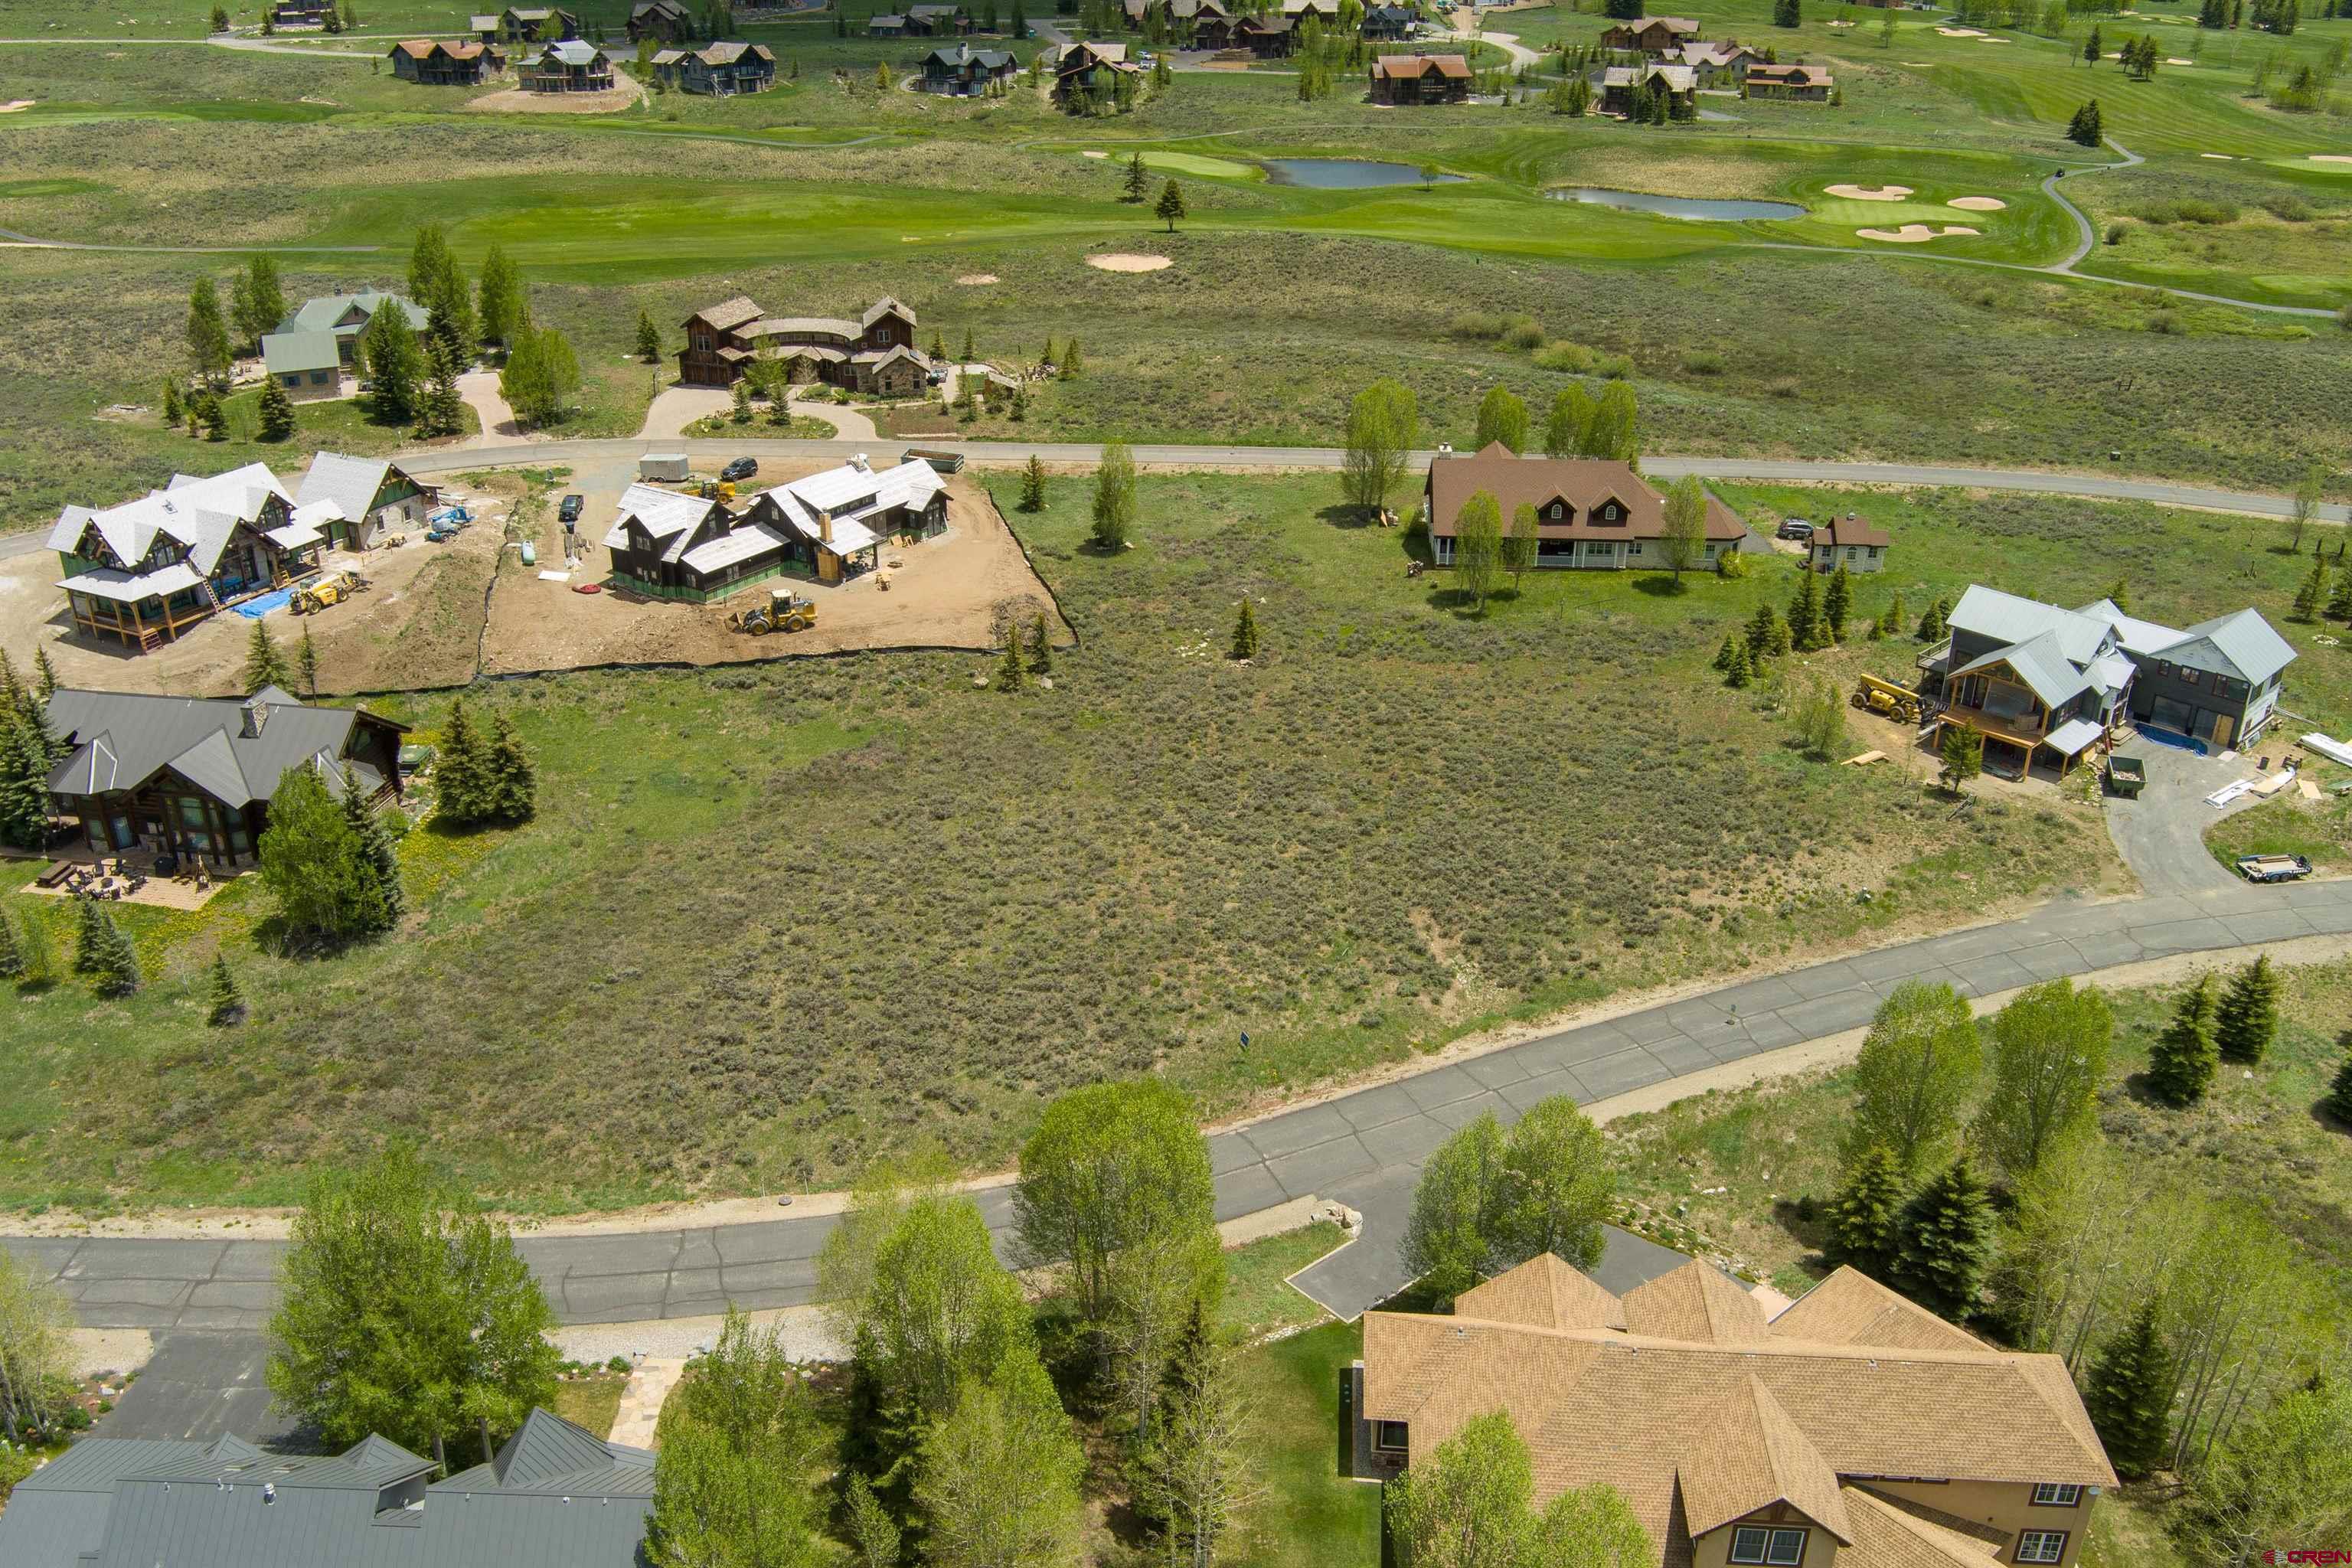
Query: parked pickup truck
(2273, 868)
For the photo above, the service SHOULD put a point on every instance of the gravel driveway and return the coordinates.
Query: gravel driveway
(2161, 836)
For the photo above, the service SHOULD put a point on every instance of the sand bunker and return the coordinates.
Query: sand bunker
(2330, 158)
(1961, 32)
(1992, 40)
(1094, 154)
(1978, 204)
(2170, 61)
(1914, 233)
(974, 279)
(1123, 261)
(15, 107)
(2221, 157)
(1871, 193)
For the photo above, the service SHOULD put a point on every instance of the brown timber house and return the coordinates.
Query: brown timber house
(876, 353)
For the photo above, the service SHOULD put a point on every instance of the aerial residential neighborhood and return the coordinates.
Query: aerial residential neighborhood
(1066, 783)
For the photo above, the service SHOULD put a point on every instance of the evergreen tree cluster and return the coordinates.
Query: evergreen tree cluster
(1934, 1243)
(329, 861)
(2087, 128)
(101, 952)
(483, 779)
(28, 751)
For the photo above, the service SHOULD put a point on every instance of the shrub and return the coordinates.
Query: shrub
(1613, 367)
(1703, 362)
(1476, 326)
(1782, 386)
(1561, 354)
(2288, 207)
(1521, 332)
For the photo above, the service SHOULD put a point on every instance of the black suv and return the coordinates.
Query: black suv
(569, 511)
(740, 468)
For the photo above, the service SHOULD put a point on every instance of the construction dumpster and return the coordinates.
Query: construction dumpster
(2126, 776)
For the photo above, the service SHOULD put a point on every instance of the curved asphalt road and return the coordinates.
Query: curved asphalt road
(1363, 1149)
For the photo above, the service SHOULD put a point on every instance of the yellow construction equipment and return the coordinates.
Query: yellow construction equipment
(1885, 697)
(331, 588)
(785, 611)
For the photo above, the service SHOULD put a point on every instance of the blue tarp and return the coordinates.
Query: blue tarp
(253, 609)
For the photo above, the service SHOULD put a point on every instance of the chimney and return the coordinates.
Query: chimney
(860, 464)
(825, 524)
(257, 714)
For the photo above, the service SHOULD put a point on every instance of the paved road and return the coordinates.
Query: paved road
(1010, 454)
(1362, 1149)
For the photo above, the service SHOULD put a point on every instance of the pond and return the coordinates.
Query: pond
(1349, 174)
(1702, 209)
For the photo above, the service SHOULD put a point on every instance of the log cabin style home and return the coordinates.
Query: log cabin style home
(1421, 78)
(964, 71)
(826, 528)
(1620, 84)
(192, 777)
(568, 67)
(664, 21)
(2046, 685)
(1714, 64)
(1324, 12)
(141, 572)
(921, 21)
(717, 70)
(1268, 37)
(1179, 19)
(1651, 36)
(1389, 24)
(1090, 68)
(1850, 543)
(876, 353)
(1808, 84)
(1590, 514)
(533, 25)
(432, 63)
(1853, 1429)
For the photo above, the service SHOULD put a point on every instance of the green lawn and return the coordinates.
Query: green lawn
(1258, 1295)
(1307, 1515)
(2320, 831)
(592, 1401)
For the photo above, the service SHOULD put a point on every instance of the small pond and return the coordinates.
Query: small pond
(1349, 174)
(1701, 208)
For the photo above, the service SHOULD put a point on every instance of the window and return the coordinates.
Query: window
(1555, 511)
(291, 378)
(1609, 511)
(2056, 1494)
(1778, 1548)
(1389, 1436)
(2042, 1546)
(319, 378)
(2188, 676)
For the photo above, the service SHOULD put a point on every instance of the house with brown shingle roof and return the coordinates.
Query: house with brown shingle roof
(1811, 84)
(436, 64)
(1651, 36)
(876, 353)
(1591, 513)
(1854, 1430)
(1850, 543)
(1420, 79)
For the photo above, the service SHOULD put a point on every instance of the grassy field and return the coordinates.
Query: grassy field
(773, 922)
(1307, 1515)
(1739, 1167)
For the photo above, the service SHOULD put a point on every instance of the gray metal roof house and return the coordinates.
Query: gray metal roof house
(192, 776)
(553, 1496)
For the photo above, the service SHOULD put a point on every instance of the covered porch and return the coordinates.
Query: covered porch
(167, 820)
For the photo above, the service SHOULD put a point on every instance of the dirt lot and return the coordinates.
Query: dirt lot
(417, 624)
(947, 592)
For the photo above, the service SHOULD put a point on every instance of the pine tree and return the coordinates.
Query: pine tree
(1931, 621)
(1962, 752)
(306, 662)
(1805, 613)
(256, 301)
(378, 861)
(2181, 1063)
(2248, 1017)
(1246, 632)
(265, 664)
(741, 397)
(2129, 1394)
(1785, 14)
(460, 770)
(1891, 623)
(1033, 485)
(208, 344)
(512, 781)
(1073, 362)
(1723, 656)
(214, 415)
(969, 353)
(444, 410)
(2338, 1102)
(1738, 672)
(1041, 647)
(1170, 208)
(649, 347)
(1011, 674)
(1865, 1217)
(277, 411)
(1947, 1233)
(12, 956)
(45, 675)
(103, 953)
(395, 364)
(1838, 603)
(501, 309)
(227, 1002)
(2119, 595)
(2339, 598)
(2307, 597)
(171, 403)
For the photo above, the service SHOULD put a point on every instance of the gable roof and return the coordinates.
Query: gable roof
(198, 513)
(325, 312)
(665, 515)
(727, 314)
(1849, 529)
(1696, 1304)
(1850, 1308)
(1689, 1431)
(571, 52)
(1545, 1292)
(296, 352)
(1789, 75)
(1583, 483)
(850, 495)
(123, 739)
(2041, 664)
(1900, 1534)
(2008, 618)
(2241, 644)
(350, 484)
(886, 306)
(1397, 67)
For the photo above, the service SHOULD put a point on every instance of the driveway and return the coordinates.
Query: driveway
(2161, 836)
(200, 1386)
(849, 424)
(480, 388)
(676, 407)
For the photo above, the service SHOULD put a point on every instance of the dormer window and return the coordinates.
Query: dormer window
(1611, 512)
(1556, 511)
(1774, 1548)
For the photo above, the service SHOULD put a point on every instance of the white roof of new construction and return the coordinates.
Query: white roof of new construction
(742, 545)
(294, 536)
(2005, 617)
(665, 514)
(2072, 736)
(124, 588)
(849, 494)
(198, 513)
(350, 483)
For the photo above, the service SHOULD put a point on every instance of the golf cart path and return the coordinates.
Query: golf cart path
(1361, 1148)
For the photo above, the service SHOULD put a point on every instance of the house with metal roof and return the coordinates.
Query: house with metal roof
(718, 71)
(964, 71)
(1853, 1426)
(343, 316)
(2046, 684)
(552, 1497)
(308, 366)
(826, 527)
(144, 571)
(359, 500)
(526, 24)
(192, 776)
(572, 65)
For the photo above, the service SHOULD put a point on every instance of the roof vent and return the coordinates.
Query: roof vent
(269, 1492)
(860, 464)
(257, 714)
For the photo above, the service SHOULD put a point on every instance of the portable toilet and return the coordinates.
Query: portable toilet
(667, 465)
